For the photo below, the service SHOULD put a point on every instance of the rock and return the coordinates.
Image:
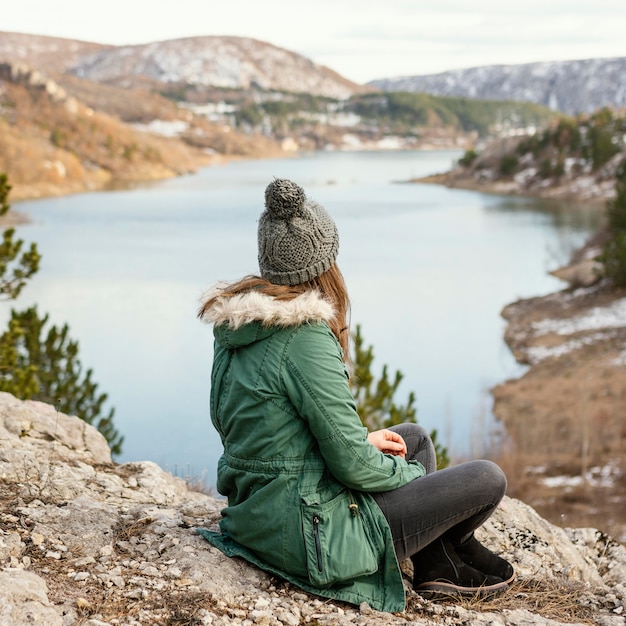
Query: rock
(24, 600)
(87, 541)
(582, 274)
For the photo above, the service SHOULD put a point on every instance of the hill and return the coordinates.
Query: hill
(573, 158)
(60, 139)
(568, 86)
(77, 116)
(221, 62)
(405, 113)
(51, 55)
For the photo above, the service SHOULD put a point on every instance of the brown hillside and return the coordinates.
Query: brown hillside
(137, 105)
(54, 142)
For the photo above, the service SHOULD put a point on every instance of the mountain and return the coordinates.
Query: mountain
(240, 63)
(48, 54)
(568, 86)
(222, 62)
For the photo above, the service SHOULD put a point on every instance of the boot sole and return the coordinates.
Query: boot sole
(445, 588)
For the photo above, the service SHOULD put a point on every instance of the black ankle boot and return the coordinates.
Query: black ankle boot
(438, 570)
(473, 553)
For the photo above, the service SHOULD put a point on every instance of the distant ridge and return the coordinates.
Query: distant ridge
(569, 86)
(579, 86)
(224, 62)
(48, 54)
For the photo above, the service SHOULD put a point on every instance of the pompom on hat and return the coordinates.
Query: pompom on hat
(298, 240)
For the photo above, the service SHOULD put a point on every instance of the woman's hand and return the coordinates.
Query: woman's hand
(388, 441)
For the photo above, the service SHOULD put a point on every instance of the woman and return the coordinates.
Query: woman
(313, 497)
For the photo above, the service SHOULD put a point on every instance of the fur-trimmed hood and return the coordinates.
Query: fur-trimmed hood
(249, 316)
(255, 306)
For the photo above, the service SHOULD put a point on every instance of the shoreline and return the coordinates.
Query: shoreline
(565, 447)
(27, 191)
(23, 192)
(13, 218)
(510, 188)
(564, 417)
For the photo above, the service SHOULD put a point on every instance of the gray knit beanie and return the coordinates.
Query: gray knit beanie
(298, 240)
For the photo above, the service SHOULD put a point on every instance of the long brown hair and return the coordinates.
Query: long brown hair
(330, 284)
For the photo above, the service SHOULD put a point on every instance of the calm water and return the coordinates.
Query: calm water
(429, 270)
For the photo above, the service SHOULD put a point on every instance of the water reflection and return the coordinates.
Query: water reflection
(562, 213)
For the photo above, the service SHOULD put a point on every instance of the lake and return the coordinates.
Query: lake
(428, 269)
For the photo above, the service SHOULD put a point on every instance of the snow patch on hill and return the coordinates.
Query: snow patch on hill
(572, 87)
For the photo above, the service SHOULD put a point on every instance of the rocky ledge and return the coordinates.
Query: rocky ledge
(87, 541)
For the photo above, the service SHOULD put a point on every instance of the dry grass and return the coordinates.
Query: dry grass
(164, 608)
(586, 502)
(558, 600)
(135, 528)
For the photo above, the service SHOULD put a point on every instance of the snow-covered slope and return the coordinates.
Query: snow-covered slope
(227, 62)
(230, 62)
(568, 86)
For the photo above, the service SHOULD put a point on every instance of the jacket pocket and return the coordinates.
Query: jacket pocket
(337, 541)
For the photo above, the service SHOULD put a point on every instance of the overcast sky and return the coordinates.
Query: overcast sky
(361, 40)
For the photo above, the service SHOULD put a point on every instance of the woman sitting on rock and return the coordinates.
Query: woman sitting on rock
(312, 496)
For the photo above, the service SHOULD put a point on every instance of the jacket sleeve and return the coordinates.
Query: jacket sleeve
(315, 381)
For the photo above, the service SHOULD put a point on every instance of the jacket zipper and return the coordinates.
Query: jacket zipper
(353, 506)
(318, 545)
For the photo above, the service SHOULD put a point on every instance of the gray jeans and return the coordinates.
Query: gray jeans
(451, 502)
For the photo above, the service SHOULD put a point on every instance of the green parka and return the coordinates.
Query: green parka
(297, 466)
